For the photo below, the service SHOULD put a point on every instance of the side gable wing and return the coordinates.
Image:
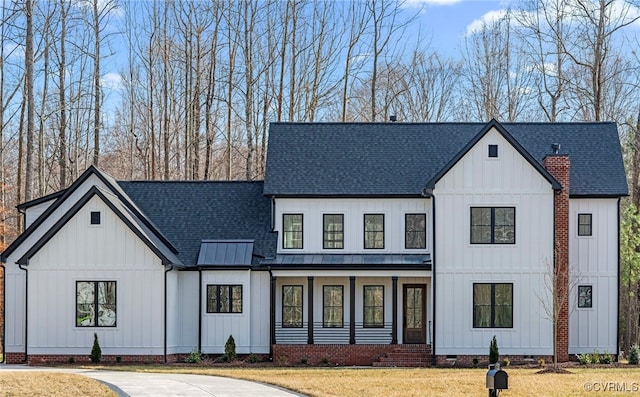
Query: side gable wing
(129, 219)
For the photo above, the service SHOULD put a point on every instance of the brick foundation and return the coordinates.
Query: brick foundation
(559, 166)
(483, 361)
(329, 354)
(40, 359)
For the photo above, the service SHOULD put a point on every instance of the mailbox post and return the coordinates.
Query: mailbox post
(497, 380)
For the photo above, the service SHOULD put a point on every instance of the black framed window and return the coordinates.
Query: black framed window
(333, 306)
(373, 306)
(95, 217)
(95, 303)
(493, 225)
(584, 224)
(374, 231)
(292, 306)
(224, 298)
(492, 305)
(292, 231)
(333, 231)
(584, 296)
(493, 151)
(415, 231)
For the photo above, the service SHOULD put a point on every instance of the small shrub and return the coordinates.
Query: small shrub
(606, 358)
(634, 355)
(541, 362)
(325, 360)
(584, 359)
(230, 349)
(494, 354)
(304, 360)
(96, 352)
(475, 361)
(71, 360)
(118, 359)
(194, 357)
(506, 362)
(253, 358)
(595, 357)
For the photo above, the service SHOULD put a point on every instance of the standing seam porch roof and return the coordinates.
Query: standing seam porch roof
(399, 159)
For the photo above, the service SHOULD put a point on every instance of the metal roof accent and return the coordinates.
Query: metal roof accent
(225, 252)
(361, 261)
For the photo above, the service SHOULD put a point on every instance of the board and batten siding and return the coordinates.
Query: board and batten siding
(593, 261)
(394, 211)
(106, 252)
(32, 213)
(250, 329)
(507, 181)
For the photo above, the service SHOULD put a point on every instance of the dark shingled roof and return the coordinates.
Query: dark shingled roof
(189, 212)
(381, 159)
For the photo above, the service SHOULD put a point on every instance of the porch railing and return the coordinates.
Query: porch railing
(334, 335)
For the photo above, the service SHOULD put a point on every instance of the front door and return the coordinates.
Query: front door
(414, 313)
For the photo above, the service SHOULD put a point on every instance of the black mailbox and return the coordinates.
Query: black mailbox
(497, 380)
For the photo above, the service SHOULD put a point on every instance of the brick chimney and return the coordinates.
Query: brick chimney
(559, 166)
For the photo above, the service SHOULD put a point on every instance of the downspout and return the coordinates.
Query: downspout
(26, 311)
(165, 312)
(4, 313)
(199, 310)
(272, 314)
(433, 278)
(617, 322)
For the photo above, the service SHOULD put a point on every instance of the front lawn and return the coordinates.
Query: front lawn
(388, 382)
(53, 384)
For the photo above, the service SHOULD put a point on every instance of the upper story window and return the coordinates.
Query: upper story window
(584, 224)
(95, 303)
(493, 151)
(224, 298)
(292, 231)
(415, 231)
(493, 225)
(492, 305)
(95, 218)
(373, 231)
(333, 231)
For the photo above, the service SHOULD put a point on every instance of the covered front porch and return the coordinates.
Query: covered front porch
(350, 317)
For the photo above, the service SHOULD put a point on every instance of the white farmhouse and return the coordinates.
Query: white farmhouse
(367, 243)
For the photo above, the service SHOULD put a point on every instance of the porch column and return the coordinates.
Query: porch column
(394, 310)
(272, 313)
(352, 310)
(310, 310)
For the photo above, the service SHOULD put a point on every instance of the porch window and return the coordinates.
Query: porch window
(224, 298)
(492, 305)
(332, 306)
(292, 231)
(374, 231)
(584, 224)
(292, 306)
(373, 306)
(415, 234)
(95, 303)
(493, 225)
(333, 231)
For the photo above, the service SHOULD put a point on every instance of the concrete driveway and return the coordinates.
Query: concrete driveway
(137, 384)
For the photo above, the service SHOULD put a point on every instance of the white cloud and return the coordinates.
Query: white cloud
(487, 19)
(112, 81)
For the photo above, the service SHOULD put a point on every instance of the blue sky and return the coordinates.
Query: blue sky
(447, 21)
